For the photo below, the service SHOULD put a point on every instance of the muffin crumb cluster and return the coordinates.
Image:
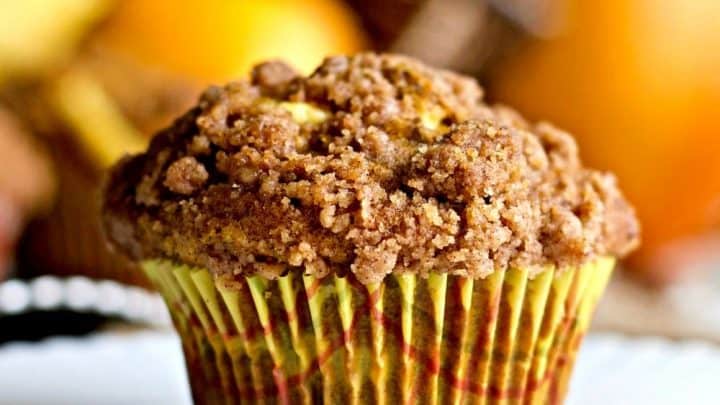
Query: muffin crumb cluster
(373, 164)
(185, 175)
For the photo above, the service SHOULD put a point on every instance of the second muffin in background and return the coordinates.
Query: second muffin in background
(371, 233)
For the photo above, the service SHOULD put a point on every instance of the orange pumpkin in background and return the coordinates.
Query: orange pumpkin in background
(216, 40)
(638, 82)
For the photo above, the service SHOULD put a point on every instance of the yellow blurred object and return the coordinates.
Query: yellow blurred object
(220, 39)
(638, 84)
(36, 35)
(100, 127)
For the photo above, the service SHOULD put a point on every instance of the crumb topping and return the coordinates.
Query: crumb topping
(373, 164)
(185, 175)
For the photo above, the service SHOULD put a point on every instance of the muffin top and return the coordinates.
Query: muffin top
(372, 164)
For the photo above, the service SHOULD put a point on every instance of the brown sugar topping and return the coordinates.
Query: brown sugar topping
(185, 175)
(373, 164)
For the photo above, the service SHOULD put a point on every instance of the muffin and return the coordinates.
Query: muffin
(374, 232)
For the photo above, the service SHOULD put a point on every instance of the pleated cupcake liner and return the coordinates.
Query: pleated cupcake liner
(506, 339)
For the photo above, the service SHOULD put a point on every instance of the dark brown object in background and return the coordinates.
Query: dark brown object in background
(383, 20)
(465, 35)
(440, 32)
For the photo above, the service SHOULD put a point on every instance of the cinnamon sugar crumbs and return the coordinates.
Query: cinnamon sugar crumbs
(185, 175)
(400, 168)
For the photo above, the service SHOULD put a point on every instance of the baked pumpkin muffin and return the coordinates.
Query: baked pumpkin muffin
(374, 232)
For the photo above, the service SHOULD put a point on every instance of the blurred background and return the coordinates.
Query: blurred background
(83, 82)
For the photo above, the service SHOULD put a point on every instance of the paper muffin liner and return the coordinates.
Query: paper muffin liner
(69, 241)
(508, 338)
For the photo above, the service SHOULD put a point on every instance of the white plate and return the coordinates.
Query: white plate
(147, 368)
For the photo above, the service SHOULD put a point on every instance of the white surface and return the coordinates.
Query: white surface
(147, 368)
(689, 308)
(138, 368)
(617, 370)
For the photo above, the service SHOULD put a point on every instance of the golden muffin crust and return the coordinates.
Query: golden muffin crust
(373, 164)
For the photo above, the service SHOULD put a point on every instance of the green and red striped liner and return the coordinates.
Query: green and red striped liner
(505, 339)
